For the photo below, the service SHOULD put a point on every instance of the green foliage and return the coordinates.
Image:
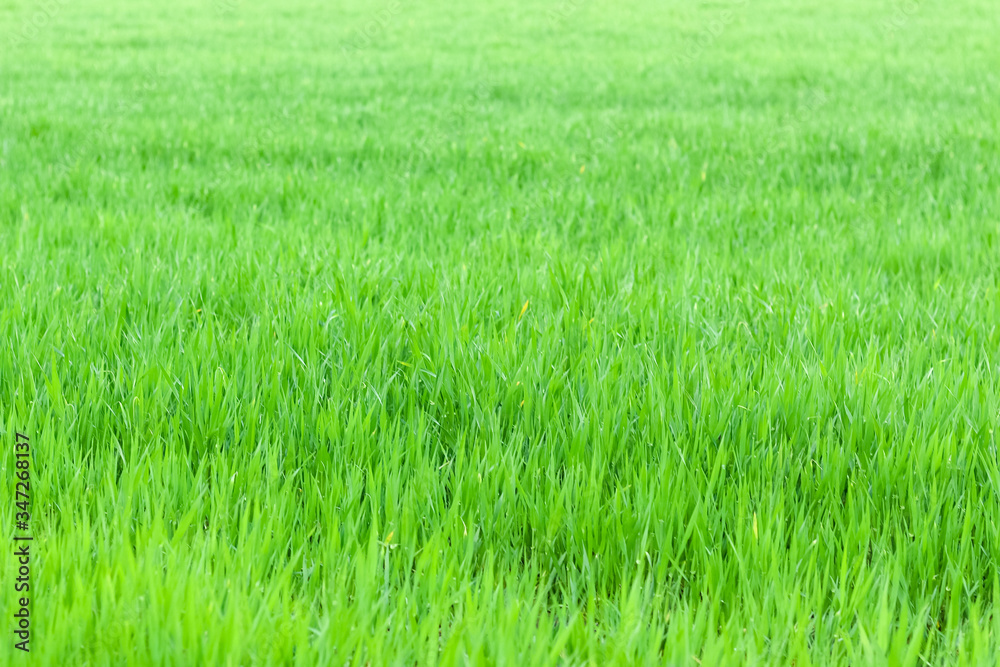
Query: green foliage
(507, 333)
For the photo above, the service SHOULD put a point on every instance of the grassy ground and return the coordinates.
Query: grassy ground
(511, 333)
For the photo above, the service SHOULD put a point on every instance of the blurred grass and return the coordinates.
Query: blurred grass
(504, 333)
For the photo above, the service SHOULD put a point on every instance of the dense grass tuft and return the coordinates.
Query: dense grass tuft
(512, 333)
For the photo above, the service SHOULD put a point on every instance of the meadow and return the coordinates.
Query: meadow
(581, 332)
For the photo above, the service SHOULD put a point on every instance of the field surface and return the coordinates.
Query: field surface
(585, 332)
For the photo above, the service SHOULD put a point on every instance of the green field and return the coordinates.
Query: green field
(515, 333)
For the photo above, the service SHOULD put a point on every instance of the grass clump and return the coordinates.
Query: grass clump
(514, 334)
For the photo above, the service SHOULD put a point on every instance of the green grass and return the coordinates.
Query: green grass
(508, 333)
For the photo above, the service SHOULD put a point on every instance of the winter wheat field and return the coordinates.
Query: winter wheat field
(515, 333)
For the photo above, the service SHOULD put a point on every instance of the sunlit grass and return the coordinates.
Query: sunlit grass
(510, 333)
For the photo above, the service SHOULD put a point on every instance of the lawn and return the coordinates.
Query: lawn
(516, 333)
